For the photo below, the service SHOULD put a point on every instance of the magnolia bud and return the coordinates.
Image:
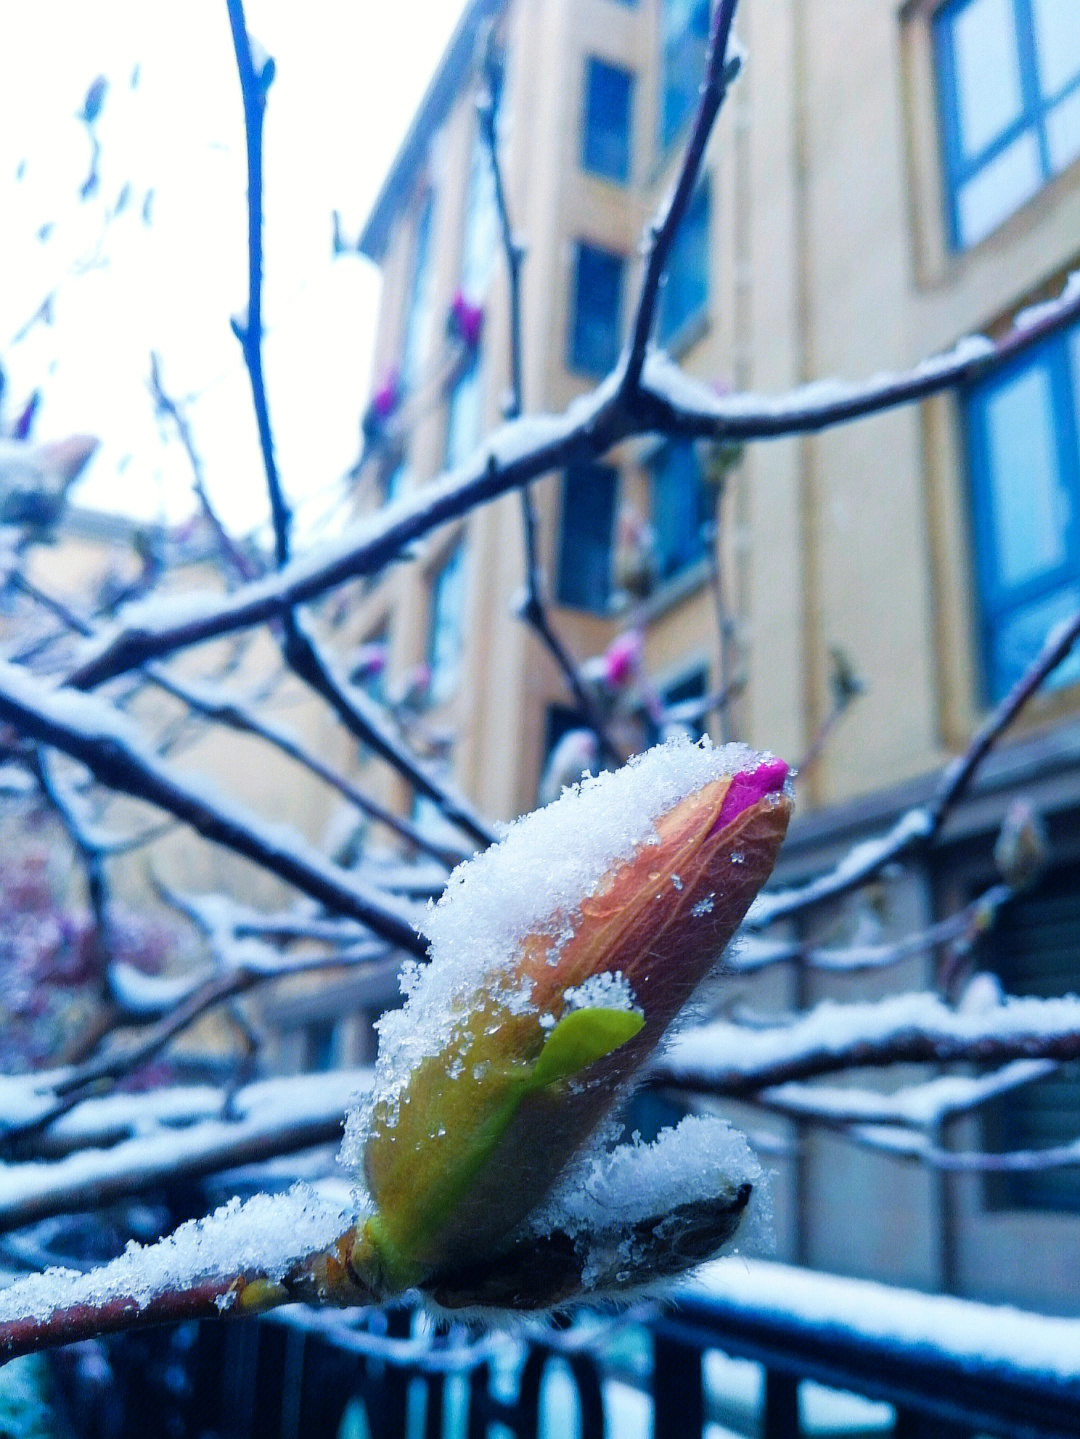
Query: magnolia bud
(464, 1144)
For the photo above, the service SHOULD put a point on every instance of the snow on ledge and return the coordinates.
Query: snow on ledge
(964, 1330)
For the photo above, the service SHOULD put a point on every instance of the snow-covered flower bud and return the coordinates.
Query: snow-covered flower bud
(558, 960)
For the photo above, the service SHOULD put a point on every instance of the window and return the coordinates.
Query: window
(446, 626)
(1025, 478)
(605, 135)
(418, 315)
(686, 691)
(678, 508)
(397, 480)
(322, 1043)
(1009, 73)
(588, 519)
(481, 213)
(684, 40)
(463, 414)
(685, 295)
(1031, 947)
(598, 286)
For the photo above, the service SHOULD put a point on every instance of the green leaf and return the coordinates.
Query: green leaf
(581, 1038)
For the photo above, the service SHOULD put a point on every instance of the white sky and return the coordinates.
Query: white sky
(349, 76)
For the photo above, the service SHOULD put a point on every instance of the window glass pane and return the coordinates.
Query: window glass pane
(1073, 346)
(481, 225)
(678, 508)
(588, 519)
(444, 642)
(999, 188)
(605, 145)
(1015, 641)
(684, 30)
(418, 318)
(686, 284)
(1029, 504)
(463, 416)
(396, 481)
(597, 306)
(1063, 128)
(481, 214)
(1057, 43)
(987, 71)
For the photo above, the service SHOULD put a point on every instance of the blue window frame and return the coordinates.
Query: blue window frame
(446, 627)
(1009, 75)
(685, 296)
(678, 508)
(418, 316)
(588, 522)
(1024, 453)
(684, 39)
(463, 414)
(605, 133)
(598, 290)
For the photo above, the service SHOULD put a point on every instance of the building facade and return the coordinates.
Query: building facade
(884, 180)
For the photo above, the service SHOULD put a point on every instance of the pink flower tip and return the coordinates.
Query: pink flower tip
(747, 788)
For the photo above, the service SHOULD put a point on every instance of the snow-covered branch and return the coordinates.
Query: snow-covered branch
(670, 402)
(917, 829)
(110, 745)
(730, 1059)
(272, 1118)
(753, 952)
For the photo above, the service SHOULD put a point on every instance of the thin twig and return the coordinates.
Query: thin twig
(916, 831)
(239, 562)
(719, 73)
(253, 88)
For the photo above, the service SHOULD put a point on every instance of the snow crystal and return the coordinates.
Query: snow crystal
(264, 1235)
(532, 882)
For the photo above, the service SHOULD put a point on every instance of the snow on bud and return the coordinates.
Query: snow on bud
(558, 960)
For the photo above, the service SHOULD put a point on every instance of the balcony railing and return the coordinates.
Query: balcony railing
(759, 1350)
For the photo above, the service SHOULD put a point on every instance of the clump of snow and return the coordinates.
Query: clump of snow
(265, 1235)
(701, 1157)
(531, 882)
(610, 990)
(605, 1194)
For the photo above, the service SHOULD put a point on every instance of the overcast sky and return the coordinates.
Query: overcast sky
(349, 76)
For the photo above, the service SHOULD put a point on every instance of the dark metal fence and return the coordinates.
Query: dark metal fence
(387, 1376)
